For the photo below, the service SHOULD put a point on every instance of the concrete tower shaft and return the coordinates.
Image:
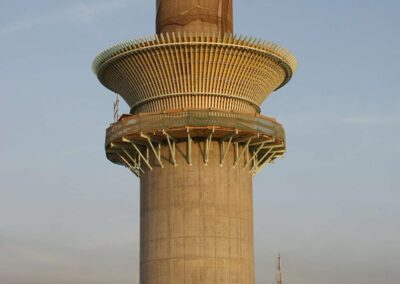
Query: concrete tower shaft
(197, 221)
(201, 16)
(195, 137)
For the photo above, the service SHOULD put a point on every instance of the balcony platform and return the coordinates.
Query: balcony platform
(135, 141)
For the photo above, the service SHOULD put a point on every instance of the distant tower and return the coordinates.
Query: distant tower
(195, 138)
(278, 270)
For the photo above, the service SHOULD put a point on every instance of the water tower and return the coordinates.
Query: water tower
(195, 138)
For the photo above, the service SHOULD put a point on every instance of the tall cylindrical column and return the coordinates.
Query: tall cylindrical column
(201, 16)
(195, 139)
(197, 220)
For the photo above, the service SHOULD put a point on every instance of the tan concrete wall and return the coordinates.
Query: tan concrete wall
(197, 221)
(205, 16)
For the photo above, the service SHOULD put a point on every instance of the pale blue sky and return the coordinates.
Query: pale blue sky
(331, 206)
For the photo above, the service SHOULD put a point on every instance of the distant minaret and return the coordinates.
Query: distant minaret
(278, 270)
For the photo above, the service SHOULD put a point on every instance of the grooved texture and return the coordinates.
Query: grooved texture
(197, 222)
(194, 16)
(195, 71)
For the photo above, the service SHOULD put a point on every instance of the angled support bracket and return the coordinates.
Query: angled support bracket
(136, 165)
(172, 147)
(245, 149)
(207, 146)
(141, 156)
(223, 151)
(268, 157)
(255, 154)
(264, 164)
(128, 165)
(157, 154)
(265, 156)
